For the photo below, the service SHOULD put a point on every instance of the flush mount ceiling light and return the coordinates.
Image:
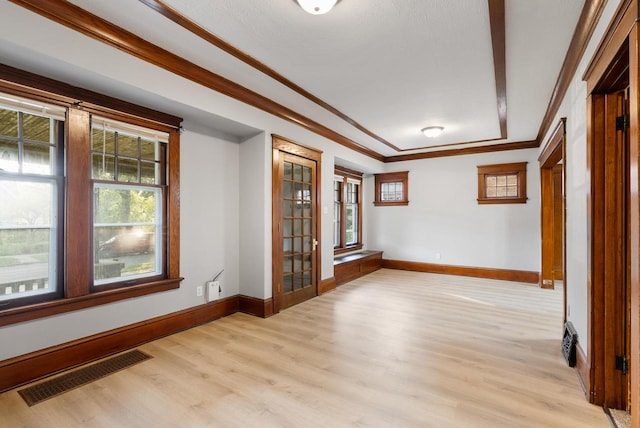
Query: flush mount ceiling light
(317, 7)
(432, 131)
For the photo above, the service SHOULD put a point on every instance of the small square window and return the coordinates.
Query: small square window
(392, 188)
(502, 183)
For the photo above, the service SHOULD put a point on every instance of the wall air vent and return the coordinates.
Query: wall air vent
(569, 340)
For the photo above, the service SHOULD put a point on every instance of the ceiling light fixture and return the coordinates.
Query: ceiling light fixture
(317, 7)
(432, 131)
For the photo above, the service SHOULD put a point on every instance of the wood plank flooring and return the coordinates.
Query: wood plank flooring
(392, 349)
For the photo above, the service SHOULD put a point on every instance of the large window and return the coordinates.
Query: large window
(89, 192)
(347, 212)
(30, 186)
(128, 176)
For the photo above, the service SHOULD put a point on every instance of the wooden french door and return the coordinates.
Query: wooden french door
(295, 225)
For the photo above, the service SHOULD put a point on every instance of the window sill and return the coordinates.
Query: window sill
(503, 201)
(347, 249)
(390, 203)
(54, 307)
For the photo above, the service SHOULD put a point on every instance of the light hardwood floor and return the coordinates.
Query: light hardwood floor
(392, 349)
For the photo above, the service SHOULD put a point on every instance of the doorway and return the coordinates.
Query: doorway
(295, 226)
(608, 161)
(552, 173)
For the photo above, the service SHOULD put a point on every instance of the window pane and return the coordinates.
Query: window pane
(104, 167)
(287, 228)
(501, 180)
(36, 128)
(103, 141)
(288, 192)
(287, 170)
(27, 238)
(149, 172)
(297, 172)
(127, 233)
(306, 174)
(8, 123)
(128, 170)
(149, 149)
(127, 146)
(38, 159)
(512, 180)
(9, 156)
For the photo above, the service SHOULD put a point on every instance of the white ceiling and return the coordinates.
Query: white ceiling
(393, 66)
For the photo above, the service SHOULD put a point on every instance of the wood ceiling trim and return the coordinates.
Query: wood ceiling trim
(587, 22)
(465, 151)
(497, 22)
(90, 25)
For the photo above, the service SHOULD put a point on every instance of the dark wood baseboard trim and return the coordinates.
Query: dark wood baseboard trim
(262, 308)
(326, 285)
(476, 272)
(582, 371)
(36, 365)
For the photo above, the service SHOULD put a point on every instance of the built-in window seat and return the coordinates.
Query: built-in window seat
(354, 265)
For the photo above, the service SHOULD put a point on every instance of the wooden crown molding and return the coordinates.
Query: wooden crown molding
(78, 19)
(465, 151)
(587, 22)
(552, 144)
(27, 84)
(497, 23)
(617, 31)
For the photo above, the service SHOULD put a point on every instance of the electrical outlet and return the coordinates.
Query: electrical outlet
(214, 290)
(438, 256)
(199, 291)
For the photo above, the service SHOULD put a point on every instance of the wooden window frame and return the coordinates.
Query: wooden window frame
(518, 168)
(347, 173)
(77, 254)
(391, 177)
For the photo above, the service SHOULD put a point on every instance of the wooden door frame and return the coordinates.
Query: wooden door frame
(618, 48)
(282, 144)
(553, 153)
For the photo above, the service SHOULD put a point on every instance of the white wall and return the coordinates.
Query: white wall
(574, 109)
(443, 216)
(255, 217)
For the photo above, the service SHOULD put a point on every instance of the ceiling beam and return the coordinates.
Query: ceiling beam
(497, 22)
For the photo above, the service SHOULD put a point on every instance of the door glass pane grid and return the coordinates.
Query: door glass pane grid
(297, 226)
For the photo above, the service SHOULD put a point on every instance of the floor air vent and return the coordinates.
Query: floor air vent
(569, 340)
(77, 378)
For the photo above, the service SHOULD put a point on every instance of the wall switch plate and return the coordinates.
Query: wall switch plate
(199, 291)
(213, 290)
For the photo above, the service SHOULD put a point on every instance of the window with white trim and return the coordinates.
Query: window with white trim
(347, 210)
(31, 135)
